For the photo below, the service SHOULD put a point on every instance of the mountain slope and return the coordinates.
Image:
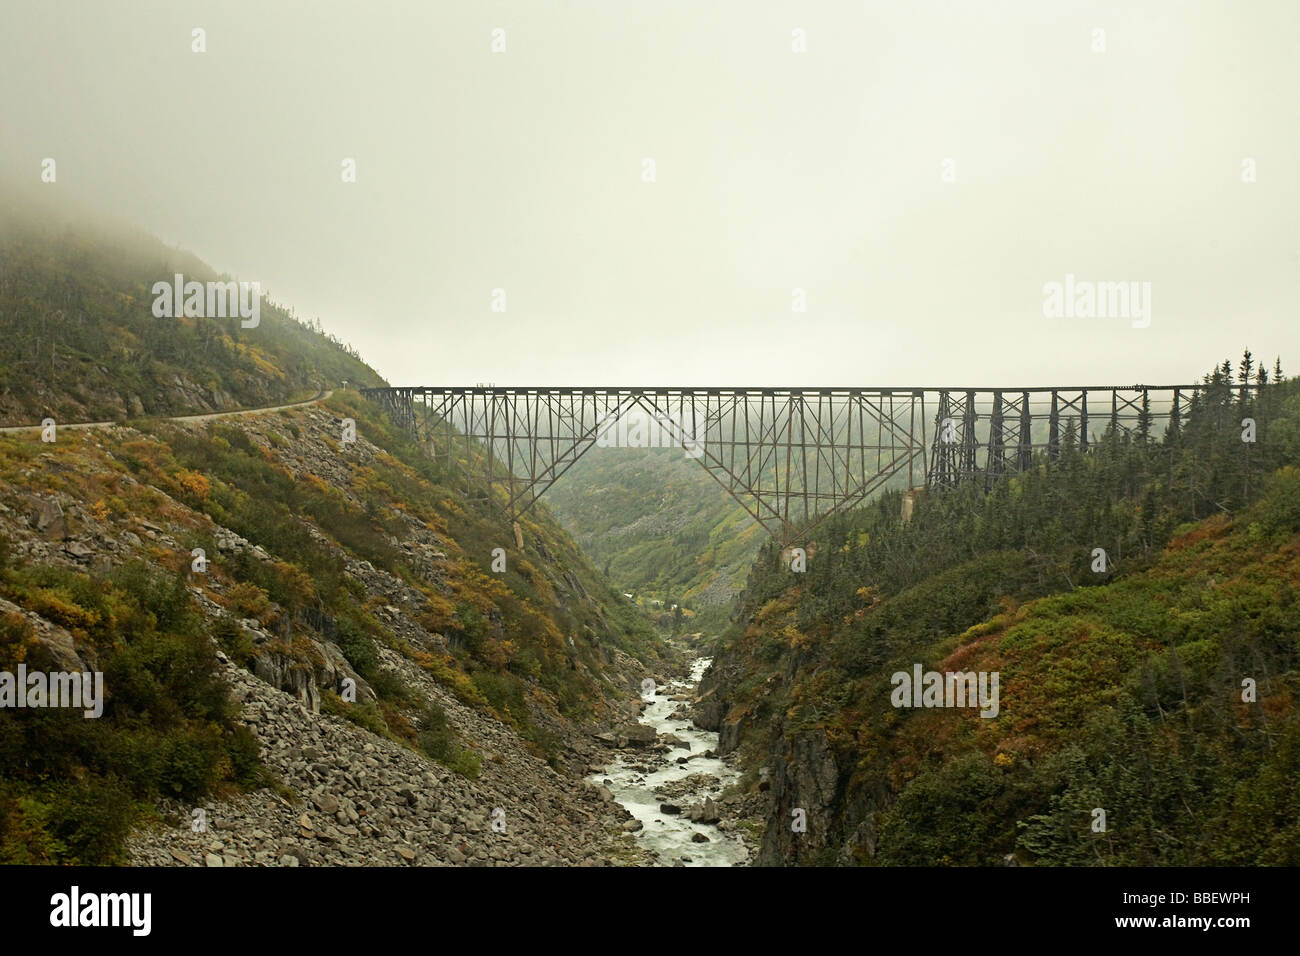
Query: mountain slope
(81, 342)
(301, 635)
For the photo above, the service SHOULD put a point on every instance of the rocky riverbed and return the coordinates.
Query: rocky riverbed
(665, 772)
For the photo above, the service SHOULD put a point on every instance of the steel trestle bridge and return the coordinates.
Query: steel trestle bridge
(790, 456)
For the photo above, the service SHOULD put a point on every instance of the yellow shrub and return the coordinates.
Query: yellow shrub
(193, 483)
(16, 636)
(56, 607)
(252, 601)
(438, 616)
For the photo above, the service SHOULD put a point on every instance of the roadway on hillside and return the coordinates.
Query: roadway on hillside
(320, 396)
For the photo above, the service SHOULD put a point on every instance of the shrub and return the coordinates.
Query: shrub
(251, 601)
(388, 685)
(235, 641)
(16, 637)
(90, 821)
(193, 484)
(437, 740)
(24, 833)
(363, 713)
(245, 757)
(1279, 509)
(357, 647)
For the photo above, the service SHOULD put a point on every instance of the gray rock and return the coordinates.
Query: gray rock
(706, 812)
(638, 735)
(47, 518)
(326, 803)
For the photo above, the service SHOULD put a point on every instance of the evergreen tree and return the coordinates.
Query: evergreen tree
(1245, 372)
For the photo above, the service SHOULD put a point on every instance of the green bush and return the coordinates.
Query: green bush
(388, 685)
(92, 820)
(437, 740)
(362, 713)
(235, 641)
(1279, 509)
(357, 647)
(504, 694)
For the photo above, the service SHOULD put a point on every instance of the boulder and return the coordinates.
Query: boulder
(706, 812)
(78, 550)
(326, 803)
(638, 735)
(47, 518)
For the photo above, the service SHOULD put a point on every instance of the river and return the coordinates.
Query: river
(642, 781)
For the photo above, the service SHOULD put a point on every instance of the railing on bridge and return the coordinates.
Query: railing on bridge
(790, 456)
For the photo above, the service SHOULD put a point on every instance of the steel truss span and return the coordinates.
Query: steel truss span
(792, 457)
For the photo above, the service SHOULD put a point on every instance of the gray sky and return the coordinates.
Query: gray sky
(775, 170)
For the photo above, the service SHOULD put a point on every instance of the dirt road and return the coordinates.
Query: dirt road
(319, 397)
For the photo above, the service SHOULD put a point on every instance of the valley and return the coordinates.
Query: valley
(317, 649)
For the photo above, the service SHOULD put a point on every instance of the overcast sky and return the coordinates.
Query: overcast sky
(774, 170)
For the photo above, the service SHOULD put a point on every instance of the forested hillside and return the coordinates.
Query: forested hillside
(660, 528)
(1121, 689)
(81, 342)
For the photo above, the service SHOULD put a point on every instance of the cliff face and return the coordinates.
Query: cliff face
(808, 818)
